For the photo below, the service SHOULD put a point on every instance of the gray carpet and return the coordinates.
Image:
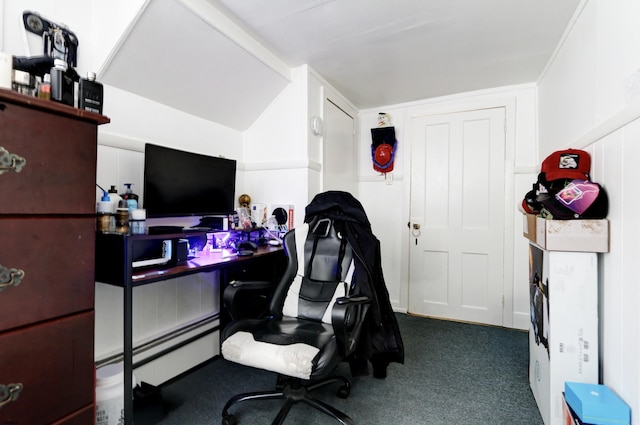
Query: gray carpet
(454, 374)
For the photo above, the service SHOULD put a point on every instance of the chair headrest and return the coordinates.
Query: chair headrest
(322, 227)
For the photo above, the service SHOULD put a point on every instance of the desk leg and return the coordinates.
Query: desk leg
(128, 354)
(223, 281)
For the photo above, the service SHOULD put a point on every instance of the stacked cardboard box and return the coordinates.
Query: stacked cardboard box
(580, 235)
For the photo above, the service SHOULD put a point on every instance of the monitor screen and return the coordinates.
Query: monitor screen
(179, 183)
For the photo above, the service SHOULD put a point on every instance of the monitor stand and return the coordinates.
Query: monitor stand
(164, 230)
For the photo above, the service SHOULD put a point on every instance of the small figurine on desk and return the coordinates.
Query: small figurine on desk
(244, 200)
(244, 218)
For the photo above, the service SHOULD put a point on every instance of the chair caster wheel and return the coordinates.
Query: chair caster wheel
(229, 420)
(344, 391)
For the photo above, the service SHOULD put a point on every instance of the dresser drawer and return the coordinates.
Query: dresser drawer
(59, 171)
(56, 256)
(54, 364)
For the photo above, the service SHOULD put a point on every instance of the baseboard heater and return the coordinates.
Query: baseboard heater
(163, 339)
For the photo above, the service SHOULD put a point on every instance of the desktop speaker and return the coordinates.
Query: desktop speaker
(182, 251)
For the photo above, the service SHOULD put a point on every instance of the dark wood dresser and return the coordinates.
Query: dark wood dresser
(47, 242)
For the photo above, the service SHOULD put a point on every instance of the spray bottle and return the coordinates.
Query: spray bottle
(104, 213)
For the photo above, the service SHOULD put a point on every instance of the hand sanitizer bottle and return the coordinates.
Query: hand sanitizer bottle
(130, 198)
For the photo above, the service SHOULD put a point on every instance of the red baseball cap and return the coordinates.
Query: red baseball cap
(567, 164)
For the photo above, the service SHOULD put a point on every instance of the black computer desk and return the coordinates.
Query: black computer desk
(114, 258)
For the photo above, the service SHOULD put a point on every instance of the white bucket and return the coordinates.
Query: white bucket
(110, 394)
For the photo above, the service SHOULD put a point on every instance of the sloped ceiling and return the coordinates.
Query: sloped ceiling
(173, 54)
(227, 60)
(382, 52)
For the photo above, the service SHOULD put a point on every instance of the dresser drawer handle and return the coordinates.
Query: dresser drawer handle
(10, 277)
(9, 393)
(10, 161)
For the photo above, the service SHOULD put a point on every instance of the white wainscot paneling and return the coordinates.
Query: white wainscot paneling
(158, 309)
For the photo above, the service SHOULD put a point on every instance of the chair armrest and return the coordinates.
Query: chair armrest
(347, 317)
(350, 300)
(238, 293)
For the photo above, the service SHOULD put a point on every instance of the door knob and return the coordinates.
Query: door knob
(415, 231)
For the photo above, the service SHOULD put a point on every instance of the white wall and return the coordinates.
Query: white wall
(283, 159)
(135, 121)
(276, 163)
(387, 200)
(589, 99)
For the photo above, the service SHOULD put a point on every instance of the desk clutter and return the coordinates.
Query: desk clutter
(178, 247)
(242, 242)
(248, 216)
(122, 214)
(240, 233)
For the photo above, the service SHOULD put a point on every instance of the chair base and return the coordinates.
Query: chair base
(293, 391)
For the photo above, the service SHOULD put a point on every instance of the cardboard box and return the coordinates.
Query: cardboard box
(573, 235)
(259, 214)
(529, 226)
(596, 404)
(563, 337)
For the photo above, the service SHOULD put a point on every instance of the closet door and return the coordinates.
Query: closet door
(339, 163)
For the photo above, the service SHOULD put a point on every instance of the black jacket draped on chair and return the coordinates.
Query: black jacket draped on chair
(382, 342)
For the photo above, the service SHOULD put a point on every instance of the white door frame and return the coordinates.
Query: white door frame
(345, 155)
(509, 103)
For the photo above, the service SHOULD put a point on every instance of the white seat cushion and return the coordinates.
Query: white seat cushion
(292, 360)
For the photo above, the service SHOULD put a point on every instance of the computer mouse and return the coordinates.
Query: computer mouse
(248, 245)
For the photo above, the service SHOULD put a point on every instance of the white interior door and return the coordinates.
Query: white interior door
(457, 215)
(339, 163)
